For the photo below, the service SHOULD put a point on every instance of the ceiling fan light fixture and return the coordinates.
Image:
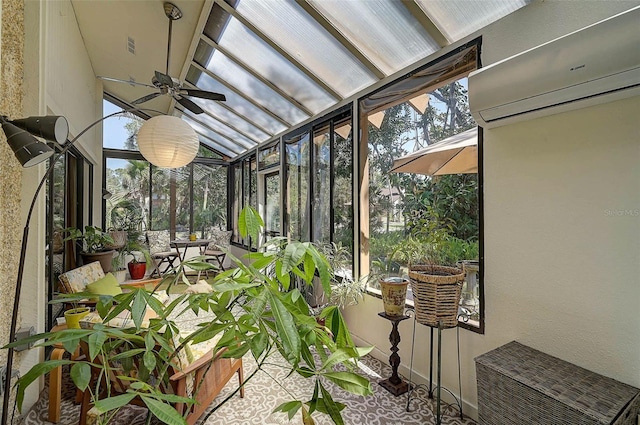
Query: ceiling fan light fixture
(167, 141)
(172, 11)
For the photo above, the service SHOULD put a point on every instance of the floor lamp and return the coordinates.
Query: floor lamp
(29, 151)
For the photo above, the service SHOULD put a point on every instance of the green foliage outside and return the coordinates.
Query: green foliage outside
(402, 206)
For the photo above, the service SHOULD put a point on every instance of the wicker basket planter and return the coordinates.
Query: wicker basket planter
(436, 294)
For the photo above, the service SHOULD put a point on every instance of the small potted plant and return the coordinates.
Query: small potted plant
(95, 245)
(393, 288)
(134, 251)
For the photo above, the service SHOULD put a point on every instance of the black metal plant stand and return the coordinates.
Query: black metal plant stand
(438, 387)
(394, 384)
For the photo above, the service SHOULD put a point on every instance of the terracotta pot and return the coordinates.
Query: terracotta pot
(73, 317)
(137, 270)
(394, 295)
(105, 258)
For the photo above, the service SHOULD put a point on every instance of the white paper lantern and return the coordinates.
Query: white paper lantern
(167, 141)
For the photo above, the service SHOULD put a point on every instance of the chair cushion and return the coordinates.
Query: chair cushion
(220, 239)
(159, 241)
(108, 285)
(76, 280)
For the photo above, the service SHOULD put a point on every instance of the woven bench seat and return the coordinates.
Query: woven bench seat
(519, 385)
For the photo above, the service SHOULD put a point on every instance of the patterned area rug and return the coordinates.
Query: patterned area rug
(263, 394)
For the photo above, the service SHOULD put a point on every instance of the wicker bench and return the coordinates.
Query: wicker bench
(520, 385)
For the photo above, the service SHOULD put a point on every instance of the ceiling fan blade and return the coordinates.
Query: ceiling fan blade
(145, 98)
(204, 94)
(164, 79)
(117, 80)
(189, 104)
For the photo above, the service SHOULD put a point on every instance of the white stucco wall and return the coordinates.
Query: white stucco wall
(562, 228)
(58, 80)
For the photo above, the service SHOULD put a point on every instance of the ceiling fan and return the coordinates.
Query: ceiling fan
(164, 84)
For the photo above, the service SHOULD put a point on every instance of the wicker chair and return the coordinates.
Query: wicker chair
(161, 252)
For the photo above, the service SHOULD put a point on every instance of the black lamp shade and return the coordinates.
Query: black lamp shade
(27, 149)
(50, 127)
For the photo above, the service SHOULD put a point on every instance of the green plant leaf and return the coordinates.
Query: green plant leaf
(81, 375)
(110, 403)
(306, 417)
(164, 412)
(286, 328)
(149, 360)
(33, 374)
(290, 407)
(332, 408)
(259, 343)
(350, 381)
(95, 341)
(249, 222)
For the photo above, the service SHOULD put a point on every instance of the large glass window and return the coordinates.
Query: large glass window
(245, 189)
(429, 214)
(191, 199)
(297, 186)
(319, 183)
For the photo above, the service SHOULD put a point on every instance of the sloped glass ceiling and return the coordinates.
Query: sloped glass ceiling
(282, 62)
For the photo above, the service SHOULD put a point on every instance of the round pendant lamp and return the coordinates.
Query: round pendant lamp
(167, 141)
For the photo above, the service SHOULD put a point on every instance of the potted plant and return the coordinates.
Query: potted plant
(436, 286)
(137, 255)
(393, 288)
(95, 245)
(256, 313)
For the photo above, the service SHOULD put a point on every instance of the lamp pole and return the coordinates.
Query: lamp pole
(23, 252)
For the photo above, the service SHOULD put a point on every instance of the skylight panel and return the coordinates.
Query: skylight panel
(385, 32)
(236, 102)
(290, 27)
(272, 66)
(229, 71)
(457, 19)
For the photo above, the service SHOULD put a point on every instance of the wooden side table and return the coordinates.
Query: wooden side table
(55, 379)
(394, 384)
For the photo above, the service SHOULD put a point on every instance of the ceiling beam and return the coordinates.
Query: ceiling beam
(426, 22)
(231, 11)
(340, 37)
(259, 77)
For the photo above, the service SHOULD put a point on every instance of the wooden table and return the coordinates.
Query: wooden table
(186, 244)
(140, 283)
(55, 378)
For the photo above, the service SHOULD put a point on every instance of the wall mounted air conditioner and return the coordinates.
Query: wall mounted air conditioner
(596, 64)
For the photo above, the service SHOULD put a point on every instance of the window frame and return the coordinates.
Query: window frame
(363, 167)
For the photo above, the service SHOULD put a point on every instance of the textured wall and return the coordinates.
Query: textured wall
(11, 72)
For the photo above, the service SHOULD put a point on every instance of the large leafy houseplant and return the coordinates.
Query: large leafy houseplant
(256, 312)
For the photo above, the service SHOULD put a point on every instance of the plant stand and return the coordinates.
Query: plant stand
(394, 384)
(438, 387)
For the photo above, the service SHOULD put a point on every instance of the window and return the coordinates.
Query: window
(68, 190)
(161, 199)
(245, 187)
(319, 182)
(413, 218)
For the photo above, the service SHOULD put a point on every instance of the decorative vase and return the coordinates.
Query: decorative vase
(121, 275)
(394, 295)
(137, 270)
(436, 294)
(105, 258)
(74, 315)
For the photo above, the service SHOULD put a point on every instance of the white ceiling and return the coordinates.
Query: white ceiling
(278, 62)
